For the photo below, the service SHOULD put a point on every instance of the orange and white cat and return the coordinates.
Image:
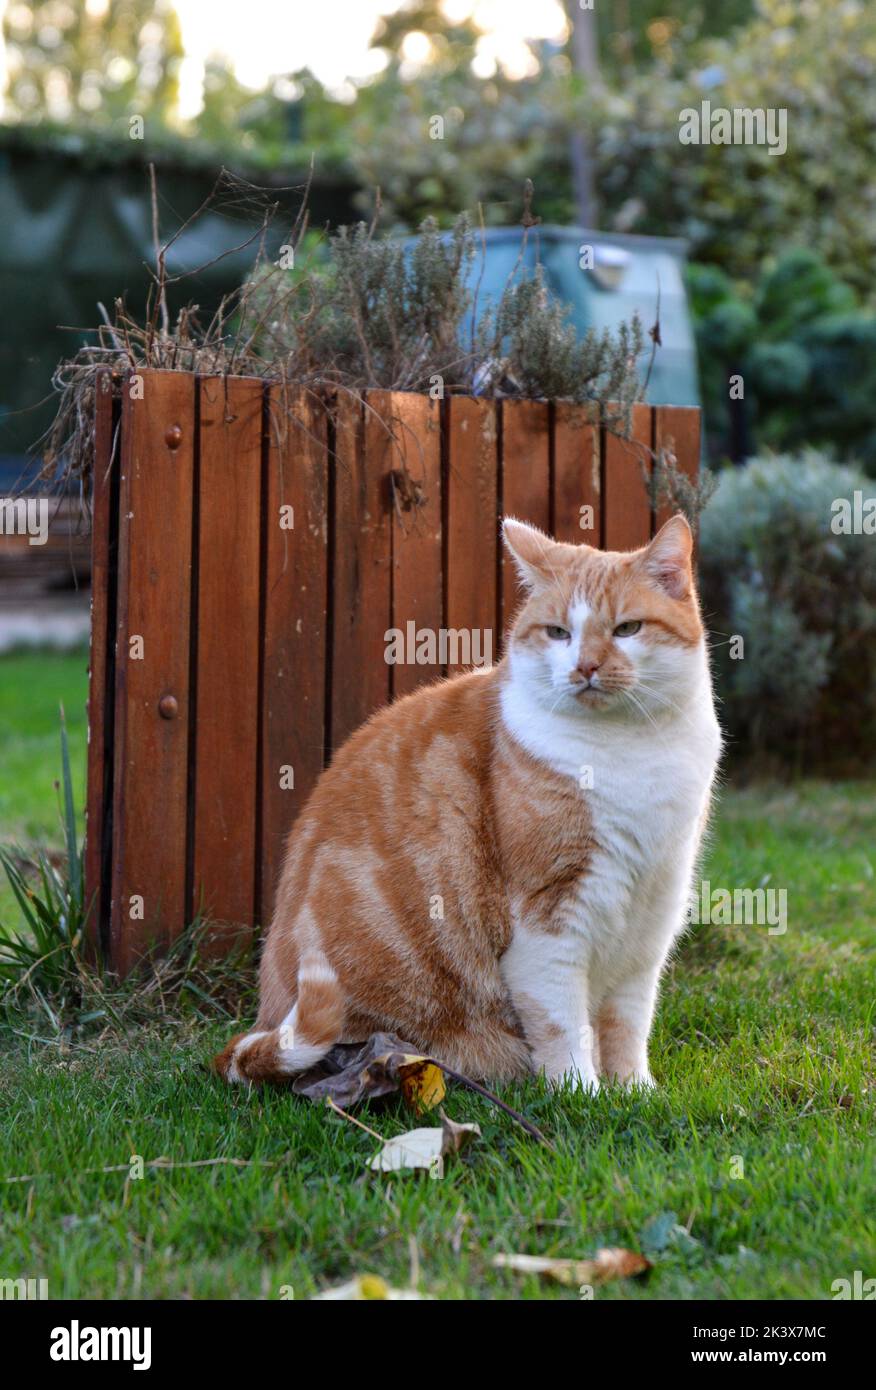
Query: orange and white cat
(496, 867)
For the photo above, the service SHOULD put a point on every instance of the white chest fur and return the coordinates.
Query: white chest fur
(646, 782)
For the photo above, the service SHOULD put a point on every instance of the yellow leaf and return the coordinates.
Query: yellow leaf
(367, 1288)
(422, 1085)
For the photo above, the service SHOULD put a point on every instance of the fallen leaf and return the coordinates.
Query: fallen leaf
(367, 1288)
(351, 1072)
(422, 1085)
(419, 1148)
(608, 1264)
(424, 1148)
(456, 1136)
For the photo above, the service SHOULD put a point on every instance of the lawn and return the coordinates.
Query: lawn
(748, 1174)
(33, 685)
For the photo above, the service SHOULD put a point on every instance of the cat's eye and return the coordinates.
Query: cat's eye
(627, 629)
(557, 634)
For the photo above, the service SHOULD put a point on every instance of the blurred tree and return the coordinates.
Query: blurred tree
(93, 60)
(739, 204)
(801, 349)
(632, 33)
(583, 46)
(453, 44)
(498, 130)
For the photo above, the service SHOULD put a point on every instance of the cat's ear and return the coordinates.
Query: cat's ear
(535, 554)
(667, 560)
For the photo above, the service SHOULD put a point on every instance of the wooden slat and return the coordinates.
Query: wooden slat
(227, 670)
(99, 713)
(294, 624)
(417, 588)
(525, 484)
(472, 510)
(361, 608)
(677, 427)
(576, 475)
(154, 589)
(627, 516)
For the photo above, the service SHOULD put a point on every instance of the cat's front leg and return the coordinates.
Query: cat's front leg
(623, 1024)
(548, 988)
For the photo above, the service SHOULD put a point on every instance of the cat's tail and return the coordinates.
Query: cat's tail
(312, 1026)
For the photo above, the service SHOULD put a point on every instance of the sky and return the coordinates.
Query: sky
(263, 38)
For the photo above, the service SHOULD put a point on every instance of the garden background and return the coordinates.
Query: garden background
(763, 1045)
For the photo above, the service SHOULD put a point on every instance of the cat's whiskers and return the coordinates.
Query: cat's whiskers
(637, 704)
(665, 700)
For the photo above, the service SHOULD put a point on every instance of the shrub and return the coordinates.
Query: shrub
(803, 598)
(737, 203)
(806, 352)
(379, 312)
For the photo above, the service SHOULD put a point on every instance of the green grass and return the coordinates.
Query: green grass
(762, 1051)
(32, 686)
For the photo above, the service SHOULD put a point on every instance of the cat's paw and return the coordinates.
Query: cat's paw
(573, 1078)
(639, 1081)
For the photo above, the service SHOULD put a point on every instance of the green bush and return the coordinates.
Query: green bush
(806, 352)
(803, 599)
(737, 204)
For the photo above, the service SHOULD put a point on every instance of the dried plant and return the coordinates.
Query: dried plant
(350, 311)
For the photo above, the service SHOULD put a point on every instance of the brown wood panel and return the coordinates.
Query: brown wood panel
(361, 561)
(227, 670)
(677, 427)
(626, 463)
(152, 665)
(472, 512)
(525, 484)
(257, 606)
(99, 713)
(294, 623)
(417, 581)
(576, 475)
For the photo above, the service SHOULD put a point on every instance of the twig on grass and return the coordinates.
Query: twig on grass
(332, 1105)
(530, 1128)
(163, 1163)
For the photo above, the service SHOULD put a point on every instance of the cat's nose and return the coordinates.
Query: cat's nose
(584, 671)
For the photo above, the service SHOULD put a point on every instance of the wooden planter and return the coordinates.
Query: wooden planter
(231, 654)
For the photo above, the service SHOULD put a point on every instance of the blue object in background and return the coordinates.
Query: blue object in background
(624, 279)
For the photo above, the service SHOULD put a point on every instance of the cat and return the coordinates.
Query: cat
(495, 868)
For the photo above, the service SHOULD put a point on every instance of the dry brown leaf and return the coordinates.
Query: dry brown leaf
(615, 1263)
(424, 1148)
(351, 1072)
(456, 1136)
